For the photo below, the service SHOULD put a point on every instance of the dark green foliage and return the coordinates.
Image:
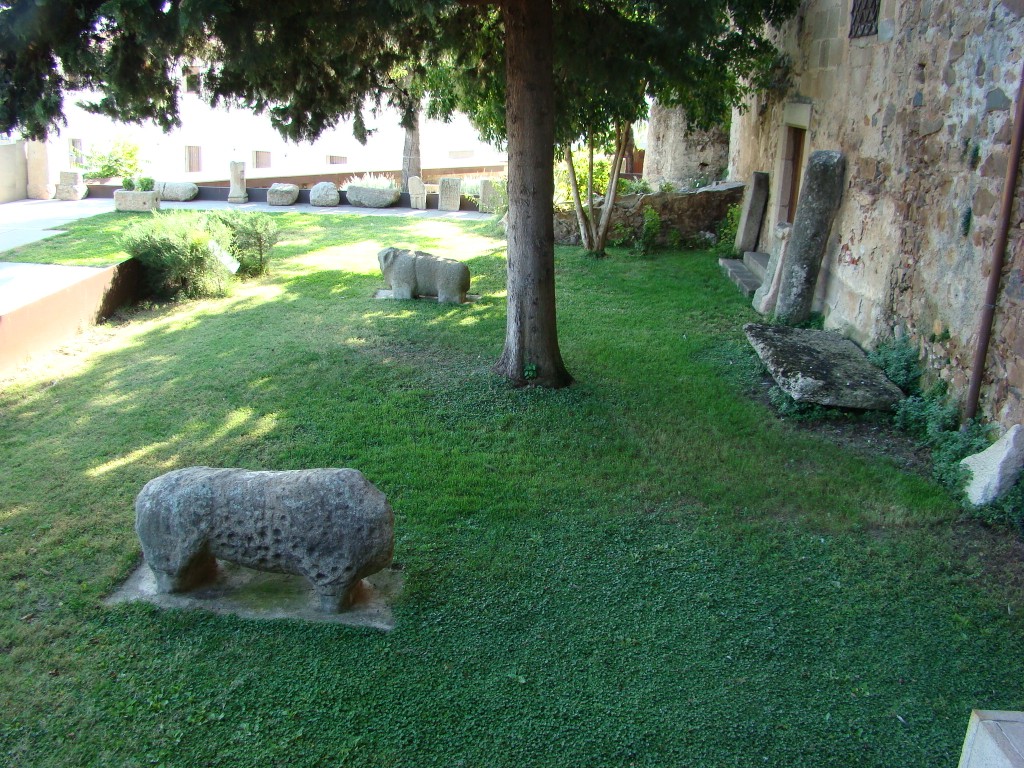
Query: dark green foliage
(176, 253)
(634, 187)
(789, 408)
(1007, 510)
(725, 245)
(650, 230)
(251, 236)
(899, 361)
(952, 446)
(128, 184)
(965, 222)
(926, 416)
(146, 184)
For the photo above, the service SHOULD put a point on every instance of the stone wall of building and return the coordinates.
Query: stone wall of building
(922, 111)
(680, 156)
(13, 172)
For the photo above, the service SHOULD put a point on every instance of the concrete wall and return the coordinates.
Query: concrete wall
(675, 155)
(922, 111)
(13, 172)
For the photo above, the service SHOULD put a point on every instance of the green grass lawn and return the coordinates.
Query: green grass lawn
(647, 568)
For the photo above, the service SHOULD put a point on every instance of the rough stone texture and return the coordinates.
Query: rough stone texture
(414, 273)
(370, 197)
(996, 469)
(488, 196)
(282, 194)
(994, 740)
(237, 192)
(331, 526)
(755, 200)
(324, 195)
(176, 191)
(449, 195)
(897, 259)
(686, 213)
(13, 172)
(679, 155)
(821, 367)
(417, 193)
(768, 292)
(133, 200)
(72, 186)
(42, 175)
(820, 193)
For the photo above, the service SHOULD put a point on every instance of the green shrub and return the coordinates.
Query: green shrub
(950, 448)
(602, 173)
(178, 256)
(667, 188)
(789, 408)
(128, 184)
(250, 237)
(725, 245)
(121, 160)
(146, 184)
(899, 361)
(928, 415)
(634, 187)
(500, 197)
(650, 230)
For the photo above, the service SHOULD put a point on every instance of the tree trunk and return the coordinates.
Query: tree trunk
(531, 354)
(411, 152)
(586, 230)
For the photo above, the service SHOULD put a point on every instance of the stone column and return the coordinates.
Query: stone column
(449, 194)
(755, 199)
(42, 173)
(237, 193)
(816, 210)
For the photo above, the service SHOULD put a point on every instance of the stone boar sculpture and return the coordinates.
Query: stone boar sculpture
(331, 526)
(414, 273)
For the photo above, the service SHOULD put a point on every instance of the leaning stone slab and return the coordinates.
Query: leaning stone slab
(237, 193)
(995, 739)
(371, 197)
(414, 273)
(324, 194)
(449, 195)
(331, 526)
(72, 186)
(417, 193)
(134, 200)
(996, 469)
(282, 194)
(820, 193)
(176, 191)
(755, 200)
(821, 367)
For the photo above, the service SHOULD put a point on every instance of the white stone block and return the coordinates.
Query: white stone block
(417, 193)
(994, 740)
(996, 469)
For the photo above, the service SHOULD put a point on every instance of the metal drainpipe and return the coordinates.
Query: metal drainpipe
(988, 309)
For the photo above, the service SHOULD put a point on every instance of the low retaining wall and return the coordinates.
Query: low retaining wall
(687, 213)
(53, 320)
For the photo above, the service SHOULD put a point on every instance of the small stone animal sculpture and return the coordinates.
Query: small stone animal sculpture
(414, 273)
(331, 526)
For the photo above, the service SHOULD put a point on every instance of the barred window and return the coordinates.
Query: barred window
(260, 159)
(336, 160)
(76, 153)
(193, 159)
(864, 18)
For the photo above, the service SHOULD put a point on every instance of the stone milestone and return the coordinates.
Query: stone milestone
(324, 194)
(820, 193)
(176, 191)
(449, 194)
(755, 200)
(72, 186)
(372, 197)
(417, 193)
(821, 367)
(237, 193)
(282, 194)
(996, 469)
(414, 273)
(331, 526)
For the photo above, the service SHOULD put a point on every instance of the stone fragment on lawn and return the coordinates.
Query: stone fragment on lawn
(281, 193)
(324, 194)
(372, 197)
(822, 367)
(176, 191)
(996, 469)
(414, 273)
(449, 195)
(331, 526)
(417, 193)
(72, 186)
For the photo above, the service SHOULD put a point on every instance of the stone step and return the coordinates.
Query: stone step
(757, 263)
(744, 279)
